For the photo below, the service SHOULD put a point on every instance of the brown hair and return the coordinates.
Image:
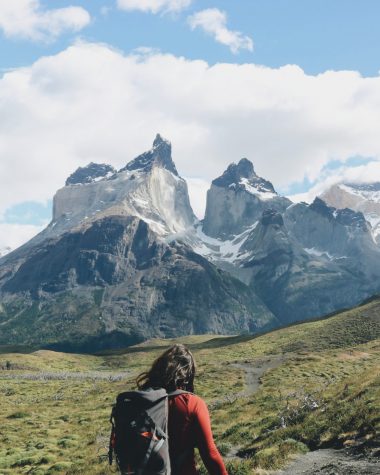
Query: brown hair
(174, 369)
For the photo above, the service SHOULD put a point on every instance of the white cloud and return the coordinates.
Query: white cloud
(27, 19)
(91, 103)
(14, 235)
(214, 22)
(367, 173)
(154, 6)
(197, 192)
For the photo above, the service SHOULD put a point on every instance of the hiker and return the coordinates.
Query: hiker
(166, 388)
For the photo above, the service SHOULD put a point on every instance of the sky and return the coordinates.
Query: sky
(293, 85)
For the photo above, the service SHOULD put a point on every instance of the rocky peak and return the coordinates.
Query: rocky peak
(320, 206)
(242, 176)
(90, 173)
(235, 172)
(237, 199)
(160, 155)
(348, 217)
(159, 141)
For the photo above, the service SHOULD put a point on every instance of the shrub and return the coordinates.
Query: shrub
(18, 415)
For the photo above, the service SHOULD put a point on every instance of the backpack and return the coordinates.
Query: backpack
(139, 437)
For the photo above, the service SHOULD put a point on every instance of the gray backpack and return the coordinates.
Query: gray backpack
(139, 436)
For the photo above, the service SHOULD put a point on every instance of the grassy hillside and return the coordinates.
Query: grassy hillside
(319, 387)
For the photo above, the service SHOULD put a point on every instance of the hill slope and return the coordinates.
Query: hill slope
(303, 387)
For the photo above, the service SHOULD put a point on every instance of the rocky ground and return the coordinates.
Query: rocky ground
(332, 462)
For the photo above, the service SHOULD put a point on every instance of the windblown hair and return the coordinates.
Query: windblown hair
(174, 369)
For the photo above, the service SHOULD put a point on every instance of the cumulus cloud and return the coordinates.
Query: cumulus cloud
(27, 19)
(91, 103)
(214, 22)
(154, 6)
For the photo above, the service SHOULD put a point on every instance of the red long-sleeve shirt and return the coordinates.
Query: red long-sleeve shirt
(189, 427)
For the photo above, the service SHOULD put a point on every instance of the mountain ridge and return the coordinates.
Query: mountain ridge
(125, 247)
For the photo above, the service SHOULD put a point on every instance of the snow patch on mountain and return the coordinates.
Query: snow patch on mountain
(361, 197)
(92, 173)
(261, 191)
(366, 192)
(318, 253)
(228, 250)
(148, 187)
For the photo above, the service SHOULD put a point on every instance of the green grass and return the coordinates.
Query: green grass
(55, 407)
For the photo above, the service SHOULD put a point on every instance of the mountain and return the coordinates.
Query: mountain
(362, 197)
(237, 199)
(106, 272)
(125, 259)
(301, 260)
(149, 188)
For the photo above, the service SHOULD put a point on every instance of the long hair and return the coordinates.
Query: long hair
(174, 369)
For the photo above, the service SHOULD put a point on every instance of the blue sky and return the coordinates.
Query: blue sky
(313, 35)
(317, 35)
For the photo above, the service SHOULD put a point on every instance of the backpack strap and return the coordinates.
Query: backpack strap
(177, 392)
(147, 454)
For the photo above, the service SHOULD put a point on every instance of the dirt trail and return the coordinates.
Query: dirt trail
(331, 462)
(319, 462)
(254, 370)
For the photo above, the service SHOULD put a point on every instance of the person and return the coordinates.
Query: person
(188, 419)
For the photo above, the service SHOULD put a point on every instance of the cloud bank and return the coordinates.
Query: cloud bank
(214, 22)
(92, 103)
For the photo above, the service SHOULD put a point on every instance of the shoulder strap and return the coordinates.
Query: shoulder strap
(177, 392)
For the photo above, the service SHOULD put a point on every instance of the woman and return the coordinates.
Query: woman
(189, 420)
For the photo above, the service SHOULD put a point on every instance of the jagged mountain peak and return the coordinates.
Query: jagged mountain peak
(242, 176)
(161, 141)
(90, 173)
(243, 169)
(149, 188)
(237, 199)
(160, 154)
(345, 216)
(235, 172)
(320, 206)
